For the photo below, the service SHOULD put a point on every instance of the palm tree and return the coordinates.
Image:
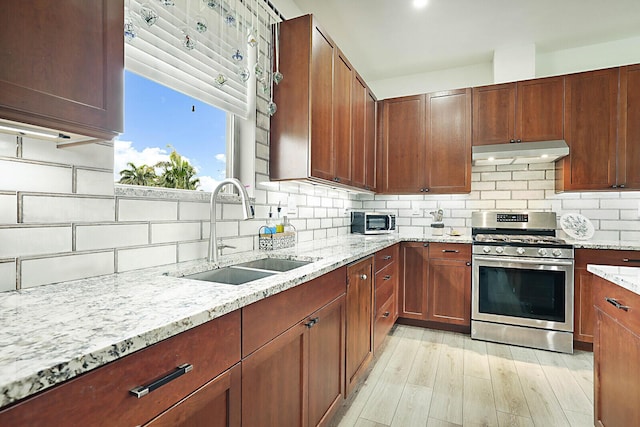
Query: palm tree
(177, 173)
(138, 175)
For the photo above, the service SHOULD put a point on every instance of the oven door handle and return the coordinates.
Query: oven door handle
(540, 261)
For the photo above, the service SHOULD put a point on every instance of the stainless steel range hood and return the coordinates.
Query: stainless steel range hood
(519, 153)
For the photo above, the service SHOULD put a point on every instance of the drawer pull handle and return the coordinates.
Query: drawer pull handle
(387, 277)
(386, 257)
(312, 322)
(616, 304)
(426, 245)
(386, 314)
(630, 260)
(143, 390)
(453, 251)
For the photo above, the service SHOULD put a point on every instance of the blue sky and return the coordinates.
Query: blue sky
(156, 116)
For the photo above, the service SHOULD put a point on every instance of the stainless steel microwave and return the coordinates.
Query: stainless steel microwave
(372, 222)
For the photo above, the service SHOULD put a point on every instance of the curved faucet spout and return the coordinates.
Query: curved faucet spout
(247, 210)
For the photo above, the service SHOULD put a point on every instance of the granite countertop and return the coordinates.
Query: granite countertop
(627, 245)
(625, 277)
(55, 332)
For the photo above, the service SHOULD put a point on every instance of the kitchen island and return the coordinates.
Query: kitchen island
(616, 351)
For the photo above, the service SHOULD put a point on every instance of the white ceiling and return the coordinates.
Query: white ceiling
(390, 38)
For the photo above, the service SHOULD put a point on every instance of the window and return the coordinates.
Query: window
(159, 120)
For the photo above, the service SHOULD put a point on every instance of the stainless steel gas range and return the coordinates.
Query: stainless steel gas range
(522, 281)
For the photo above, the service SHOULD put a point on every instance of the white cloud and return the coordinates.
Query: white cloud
(221, 157)
(124, 153)
(207, 183)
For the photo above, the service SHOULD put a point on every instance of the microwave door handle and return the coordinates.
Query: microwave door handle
(523, 261)
(389, 227)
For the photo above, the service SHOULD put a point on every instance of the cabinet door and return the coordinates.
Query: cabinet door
(274, 381)
(540, 110)
(68, 77)
(617, 373)
(322, 54)
(403, 143)
(370, 138)
(590, 131)
(326, 362)
(629, 133)
(583, 315)
(414, 261)
(359, 140)
(359, 320)
(216, 404)
(448, 148)
(449, 291)
(494, 114)
(342, 131)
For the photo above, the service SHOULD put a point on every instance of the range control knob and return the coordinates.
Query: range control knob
(486, 249)
(542, 251)
(556, 252)
(520, 251)
(499, 250)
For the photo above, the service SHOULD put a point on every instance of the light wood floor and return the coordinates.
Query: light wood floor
(441, 379)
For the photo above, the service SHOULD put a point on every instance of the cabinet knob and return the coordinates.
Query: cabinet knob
(426, 190)
(363, 276)
(468, 264)
(621, 185)
(512, 141)
(387, 277)
(518, 141)
(386, 314)
(312, 322)
(386, 257)
(426, 245)
(614, 186)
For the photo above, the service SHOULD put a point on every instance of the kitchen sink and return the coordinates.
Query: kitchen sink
(274, 264)
(230, 275)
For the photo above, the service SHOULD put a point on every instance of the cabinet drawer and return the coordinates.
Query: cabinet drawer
(450, 251)
(387, 274)
(264, 320)
(384, 291)
(607, 294)
(385, 257)
(607, 257)
(102, 397)
(384, 321)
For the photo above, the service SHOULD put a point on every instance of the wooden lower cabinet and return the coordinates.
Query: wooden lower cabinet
(297, 378)
(584, 314)
(360, 294)
(102, 397)
(436, 282)
(616, 354)
(216, 404)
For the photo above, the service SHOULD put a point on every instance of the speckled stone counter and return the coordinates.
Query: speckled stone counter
(626, 245)
(625, 277)
(52, 333)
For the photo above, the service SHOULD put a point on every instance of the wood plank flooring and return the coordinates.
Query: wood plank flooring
(431, 378)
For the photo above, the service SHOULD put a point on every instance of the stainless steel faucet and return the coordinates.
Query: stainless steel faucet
(247, 210)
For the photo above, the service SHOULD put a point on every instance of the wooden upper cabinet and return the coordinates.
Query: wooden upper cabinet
(426, 143)
(629, 128)
(342, 131)
(403, 145)
(322, 125)
(590, 131)
(67, 77)
(321, 98)
(363, 124)
(526, 111)
(448, 139)
(494, 114)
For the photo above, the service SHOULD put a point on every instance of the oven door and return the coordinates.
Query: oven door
(529, 292)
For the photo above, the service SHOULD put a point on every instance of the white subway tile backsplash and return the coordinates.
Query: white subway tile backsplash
(374, 204)
(24, 241)
(496, 176)
(94, 182)
(511, 185)
(528, 175)
(313, 224)
(404, 204)
(527, 195)
(547, 184)
(621, 225)
(305, 212)
(332, 232)
(326, 223)
(626, 214)
(484, 185)
(504, 168)
(7, 275)
(305, 236)
(603, 213)
(147, 210)
(192, 251)
(8, 145)
(314, 201)
(91, 155)
(477, 205)
(189, 211)
(174, 232)
(320, 213)
(26, 176)
(106, 236)
(42, 271)
(618, 204)
(8, 208)
(319, 234)
(495, 195)
(580, 204)
(42, 208)
(149, 256)
(511, 204)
